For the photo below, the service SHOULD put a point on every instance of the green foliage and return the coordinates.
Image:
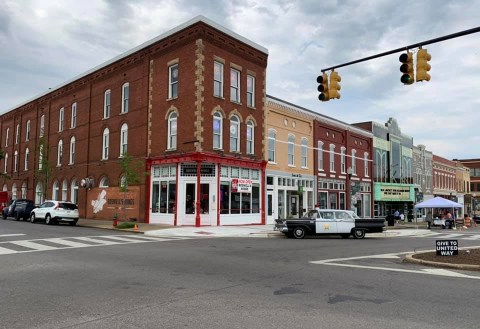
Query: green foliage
(125, 225)
(43, 170)
(132, 172)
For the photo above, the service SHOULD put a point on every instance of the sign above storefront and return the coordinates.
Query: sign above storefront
(394, 192)
(241, 185)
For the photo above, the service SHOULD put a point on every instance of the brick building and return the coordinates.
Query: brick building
(187, 105)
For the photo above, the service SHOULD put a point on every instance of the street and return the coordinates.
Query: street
(93, 278)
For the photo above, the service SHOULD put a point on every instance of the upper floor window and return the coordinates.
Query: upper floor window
(5, 163)
(27, 131)
(304, 152)
(365, 164)
(17, 134)
(173, 81)
(123, 139)
(217, 79)
(332, 158)
(7, 136)
(105, 143)
(15, 161)
(272, 136)
(250, 91)
(217, 130)
(106, 104)
(27, 158)
(354, 162)
(40, 157)
(234, 134)
(172, 131)
(291, 150)
(59, 153)
(42, 125)
(73, 122)
(235, 85)
(342, 160)
(125, 93)
(61, 119)
(320, 155)
(72, 150)
(250, 137)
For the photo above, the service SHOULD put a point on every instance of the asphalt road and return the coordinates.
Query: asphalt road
(94, 278)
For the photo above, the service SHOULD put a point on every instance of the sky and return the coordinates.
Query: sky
(44, 43)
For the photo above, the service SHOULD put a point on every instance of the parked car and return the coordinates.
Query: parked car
(476, 219)
(6, 210)
(19, 209)
(54, 212)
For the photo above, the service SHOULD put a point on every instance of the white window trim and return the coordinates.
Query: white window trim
(221, 66)
(236, 134)
(27, 155)
(42, 125)
(17, 134)
(105, 143)
(61, 119)
(107, 105)
(73, 122)
(217, 116)
(354, 163)
(7, 137)
(252, 92)
(274, 139)
(172, 117)
(320, 155)
(59, 153)
(236, 99)
(365, 164)
(304, 154)
(27, 132)
(5, 165)
(342, 160)
(125, 101)
(292, 143)
(15, 161)
(332, 158)
(123, 139)
(251, 141)
(72, 151)
(170, 83)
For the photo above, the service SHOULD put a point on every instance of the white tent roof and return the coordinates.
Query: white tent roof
(438, 202)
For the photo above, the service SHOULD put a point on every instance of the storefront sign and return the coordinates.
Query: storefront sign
(104, 203)
(394, 192)
(203, 170)
(446, 247)
(242, 185)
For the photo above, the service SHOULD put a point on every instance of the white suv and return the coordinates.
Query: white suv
(54, 212)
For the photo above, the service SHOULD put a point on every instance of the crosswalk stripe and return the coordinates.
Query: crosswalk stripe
(68, 243)
(473, 237)
(449, 236)
(13, 234)
(5, 251)
(128, 239)
(97, 240)
(32, 245)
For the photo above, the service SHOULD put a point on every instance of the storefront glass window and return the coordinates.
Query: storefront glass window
(255, 199)
(235, 203)
(224, 197)
(155, 197)
(322, 200)
(172, 193)
(246, 203)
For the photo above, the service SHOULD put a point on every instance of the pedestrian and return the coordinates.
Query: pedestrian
(428, 219)
(402, 217)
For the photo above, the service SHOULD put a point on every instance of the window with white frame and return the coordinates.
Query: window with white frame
(217, 130)
(250, 91)
(61, 119)
(64, 190)
(123, 139)
(105, 143)
(7, 136)
(17, 134)
(173, 81)
(59, 153)
(72, 150)
(304, 152)
(365, 164)
(291, 150)
(24, 190)
(272, 138)
(235, 85)
(73, 122)
(250, 137)
(42, 125)
(218, 79)
(14, 191)
(40, 157)
(234, 134)
(27, 131)
(27, 156)
(320, 155)
(354, 162)
(332, 158)
(104, 182)
(55, 190)
(172, 131)
(5, 159)
(106, 103)
(15, 161)
(125, 96)
(74, 191)
(343, 151)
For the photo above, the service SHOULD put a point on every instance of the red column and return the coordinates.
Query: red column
(197, 202)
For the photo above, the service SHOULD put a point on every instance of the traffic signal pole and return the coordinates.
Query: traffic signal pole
(415, 45)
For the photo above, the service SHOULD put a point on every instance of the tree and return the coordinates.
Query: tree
(44, 170)
(132, 175)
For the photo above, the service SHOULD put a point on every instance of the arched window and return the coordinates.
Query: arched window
(59, 153)
(250, 137)
(55, 190)
(5, 188)
(74, 191)
(123, 139)
(73, 122)
(125, 95)
(24, 190)
(64, 190)
(104, 182)
(5, 159)
(61, 119)
(39, 193)
(15, 161)
(272, 139)
(27, 158)
(217, 130)
(291, 150)
(172, 131)
(14, 191)
(105, 143)
(7, 136)
(72, 150)
(234, 134)
(27, 131)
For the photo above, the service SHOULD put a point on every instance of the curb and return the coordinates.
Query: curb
(114, 229)
(409, 259)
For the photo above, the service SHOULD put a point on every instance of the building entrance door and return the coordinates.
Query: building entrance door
(270, 209)
(187, 212)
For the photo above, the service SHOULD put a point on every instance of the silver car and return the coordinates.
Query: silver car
(54, 212)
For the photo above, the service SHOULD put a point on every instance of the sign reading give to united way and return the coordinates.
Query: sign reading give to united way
(446, 247)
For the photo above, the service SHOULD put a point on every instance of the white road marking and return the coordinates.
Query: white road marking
(68, 243)
(32, 245)
(5, 251)
(14, 234)
(473, 237)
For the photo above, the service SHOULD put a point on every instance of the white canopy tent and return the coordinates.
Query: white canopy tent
(438, 202)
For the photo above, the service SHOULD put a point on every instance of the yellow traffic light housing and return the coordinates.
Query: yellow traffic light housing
(407, 68)
(422, 65)
(323, 87)
(333, 91)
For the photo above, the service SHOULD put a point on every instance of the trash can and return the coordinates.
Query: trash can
(390, 220)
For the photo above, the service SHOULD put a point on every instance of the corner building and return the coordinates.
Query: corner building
(188, 105)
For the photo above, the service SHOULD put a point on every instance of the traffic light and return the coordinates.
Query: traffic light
(334, 85)
(407, 68)
(323, 87)
(422, 65)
